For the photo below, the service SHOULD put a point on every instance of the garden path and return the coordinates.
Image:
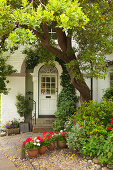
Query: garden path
(10, 147)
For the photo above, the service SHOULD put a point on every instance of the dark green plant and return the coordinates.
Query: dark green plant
(58, 125)
(108, 93)
(22, 105)
(75, 137)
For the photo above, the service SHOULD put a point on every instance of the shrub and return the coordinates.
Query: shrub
(58, 125)
(100, 147)
(108, 93)
(76, 136)
(97, 116)
(22, 105)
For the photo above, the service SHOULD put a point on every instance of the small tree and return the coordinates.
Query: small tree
(23, 108)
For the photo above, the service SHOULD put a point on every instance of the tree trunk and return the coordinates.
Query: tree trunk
(82, 87)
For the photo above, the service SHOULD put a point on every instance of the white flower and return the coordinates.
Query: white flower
(38, 140)
(34, 143)
(38, 144)
(61, 131)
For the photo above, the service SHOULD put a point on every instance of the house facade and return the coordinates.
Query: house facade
(42, 86)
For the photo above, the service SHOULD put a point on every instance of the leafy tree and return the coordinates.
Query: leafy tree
(88, 23)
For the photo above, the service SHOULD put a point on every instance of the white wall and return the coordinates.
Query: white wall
(8, 108)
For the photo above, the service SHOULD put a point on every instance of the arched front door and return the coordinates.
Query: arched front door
(48, 89)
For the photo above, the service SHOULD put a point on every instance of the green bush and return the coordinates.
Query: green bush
(75, 137)
(100, 147)
(96, 116)
(108, 93)
(22, 105)
(58, 125)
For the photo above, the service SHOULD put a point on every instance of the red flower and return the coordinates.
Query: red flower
(109, 128)
(48, 136)
(112, 118)
(74, 123)
(28, 139)
(56, 132)
(81, 125)
(44, 132)
(88, 136)
(63, 133)
(39, 137)
(24, 142)
(51, 132)
(112, 121)
(41, 140)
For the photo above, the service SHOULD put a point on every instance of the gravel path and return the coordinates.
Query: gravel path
(10, 147)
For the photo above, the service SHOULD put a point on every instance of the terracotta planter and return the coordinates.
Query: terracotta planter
(13, 131)
(51, 147)
(32, 153)
(61, 144)
(42, 150)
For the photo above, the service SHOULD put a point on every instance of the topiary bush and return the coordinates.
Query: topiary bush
(108, 93)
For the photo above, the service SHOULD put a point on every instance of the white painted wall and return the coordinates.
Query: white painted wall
(8, 108)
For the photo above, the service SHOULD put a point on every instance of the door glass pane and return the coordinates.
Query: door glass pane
(42, 85)
(52, 79)
(47, 79)
(47, 85)
(42, 91)
(52, 85)
(47, 91)
(42, 79)
(52, 91)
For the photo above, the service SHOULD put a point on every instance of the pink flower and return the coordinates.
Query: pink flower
(88, 136)
(44, 132)
(39, 137)
(109, 128)
(48, 136)
(51, 132)
(24, 142)
(63, 133)
(112, 121)
(41, 140)
(10, 123)
(28, 140)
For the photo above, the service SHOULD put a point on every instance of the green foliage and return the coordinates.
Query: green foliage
(30, 146)
(76, 136)
(99, 147)
(58, 125)
(97, 116)
(5, 70)
(22, 105)
(108, 93)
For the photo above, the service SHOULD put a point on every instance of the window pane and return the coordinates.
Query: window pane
(52, 79)
(47, 91)
(52, 85)
(42, 91)
(47, 79)
(42, 85)
(42, 79)
(47, 85)
(52, 91)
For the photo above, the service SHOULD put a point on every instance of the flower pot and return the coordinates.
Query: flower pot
(42, 150)
(51, 147)
(32, 153)
(61, 144)
(13, 131)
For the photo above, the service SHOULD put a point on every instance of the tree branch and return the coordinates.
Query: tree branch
(46, 31)
(61, 36)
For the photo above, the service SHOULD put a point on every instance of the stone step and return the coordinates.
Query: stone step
(41, 129)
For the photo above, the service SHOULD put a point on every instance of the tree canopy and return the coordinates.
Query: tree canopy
(83, 29)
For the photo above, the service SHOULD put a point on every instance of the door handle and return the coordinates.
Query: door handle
(48, 96)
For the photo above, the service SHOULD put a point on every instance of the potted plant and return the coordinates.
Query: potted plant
(43, 145)
(32, 145)
(50, 136)
(12, 127)
(61, 139)
(23, 109)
